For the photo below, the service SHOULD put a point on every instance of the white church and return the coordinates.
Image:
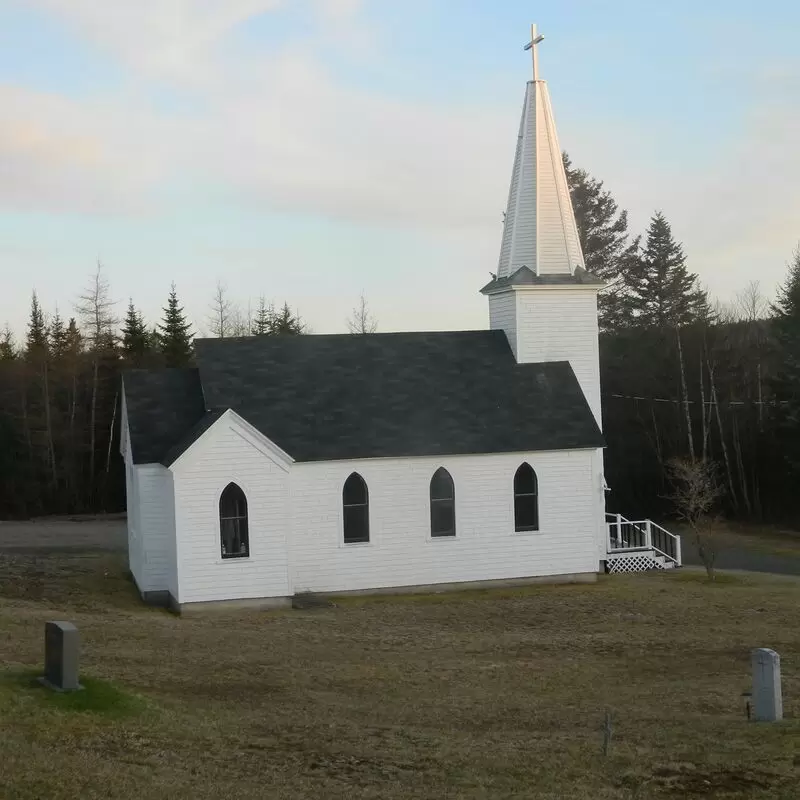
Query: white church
(281, 465)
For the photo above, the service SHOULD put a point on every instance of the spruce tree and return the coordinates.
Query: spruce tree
(174, 333)
(135, 338)
(7, 350)
(285, 322)
(36, 340)
(58, 337)
(607, 249)
(73, 337)
(662, 292)
(262, 323)
(786, 384)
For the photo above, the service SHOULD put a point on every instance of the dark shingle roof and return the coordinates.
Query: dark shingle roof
(378, 395)
(162, 405)
(192, 435)
(398, 394)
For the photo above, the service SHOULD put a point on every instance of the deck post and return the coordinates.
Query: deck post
(648, 534)
(678, 554)
(619, 530)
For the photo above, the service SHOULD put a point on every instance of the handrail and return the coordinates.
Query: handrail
(625, 535)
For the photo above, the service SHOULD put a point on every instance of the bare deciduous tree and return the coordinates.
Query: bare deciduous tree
(222, 314)
(695, 490)
(362, 320)
(95, 309)
(750, 304)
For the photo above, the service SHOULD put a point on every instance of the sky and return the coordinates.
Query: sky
(312, 150)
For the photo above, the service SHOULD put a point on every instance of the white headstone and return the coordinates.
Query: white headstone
(767, 698)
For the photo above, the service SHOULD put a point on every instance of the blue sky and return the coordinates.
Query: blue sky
(309, 150)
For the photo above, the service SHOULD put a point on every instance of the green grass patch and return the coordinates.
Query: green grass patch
(97, 696)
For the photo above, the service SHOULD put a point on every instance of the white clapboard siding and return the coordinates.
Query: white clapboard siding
(401, 551)
(503, 316)
(295, 520)
(561, 325)
(132, 503)
(155, 521)
(226, 454)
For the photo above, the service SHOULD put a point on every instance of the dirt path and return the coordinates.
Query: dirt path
(63, 535)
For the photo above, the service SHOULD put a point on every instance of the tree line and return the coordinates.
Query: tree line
(683, 377)
(691, 388)
(60, 390)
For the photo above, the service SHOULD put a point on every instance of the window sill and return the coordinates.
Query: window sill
(452, 538)
(356, 544)
(232, 559)
(531, 532)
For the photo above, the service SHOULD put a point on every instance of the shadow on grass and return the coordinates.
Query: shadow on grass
(97, 696)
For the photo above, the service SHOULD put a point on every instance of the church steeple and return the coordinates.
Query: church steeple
(540, 231)
(542, 296)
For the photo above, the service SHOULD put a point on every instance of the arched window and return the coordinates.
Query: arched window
(355, 502)
(443, 504)
(526, 499)
(233, 523)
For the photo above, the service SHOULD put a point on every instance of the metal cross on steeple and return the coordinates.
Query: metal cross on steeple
(535, 39)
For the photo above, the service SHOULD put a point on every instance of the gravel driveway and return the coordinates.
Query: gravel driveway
(745, 558)
(53, 535)
(109, 534)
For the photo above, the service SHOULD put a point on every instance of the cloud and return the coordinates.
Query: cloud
(60, 155)
(277, 130)
(159, 38)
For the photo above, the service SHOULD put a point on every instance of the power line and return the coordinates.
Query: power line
(697, 402)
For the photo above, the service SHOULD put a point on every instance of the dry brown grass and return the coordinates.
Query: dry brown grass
(475, 695)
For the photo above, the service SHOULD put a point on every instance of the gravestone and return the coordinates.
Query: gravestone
(61, 656)
(767, 698)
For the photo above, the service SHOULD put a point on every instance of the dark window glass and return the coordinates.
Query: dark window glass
(233, 523)
(355, 501)
(526, 499)
(443, 504)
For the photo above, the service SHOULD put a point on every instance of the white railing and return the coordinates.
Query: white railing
(625, 535)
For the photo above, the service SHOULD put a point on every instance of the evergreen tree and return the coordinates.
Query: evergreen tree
(262, 322)
(135, 338)
(607, 251)
(786, 385)
(36, 340)
(58, 337)
(74, 338)
(285, 322)
(7, 350)
(174, 333)
(154, 340)
(662, 292)
(786, 328)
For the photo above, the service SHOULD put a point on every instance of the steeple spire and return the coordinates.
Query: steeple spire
(540, 231)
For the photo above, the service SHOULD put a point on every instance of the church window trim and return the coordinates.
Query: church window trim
(526, 499)
(234, 532)
(442, 500)
(355, 511)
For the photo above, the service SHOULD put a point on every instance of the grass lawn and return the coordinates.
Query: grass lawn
(474, 695)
